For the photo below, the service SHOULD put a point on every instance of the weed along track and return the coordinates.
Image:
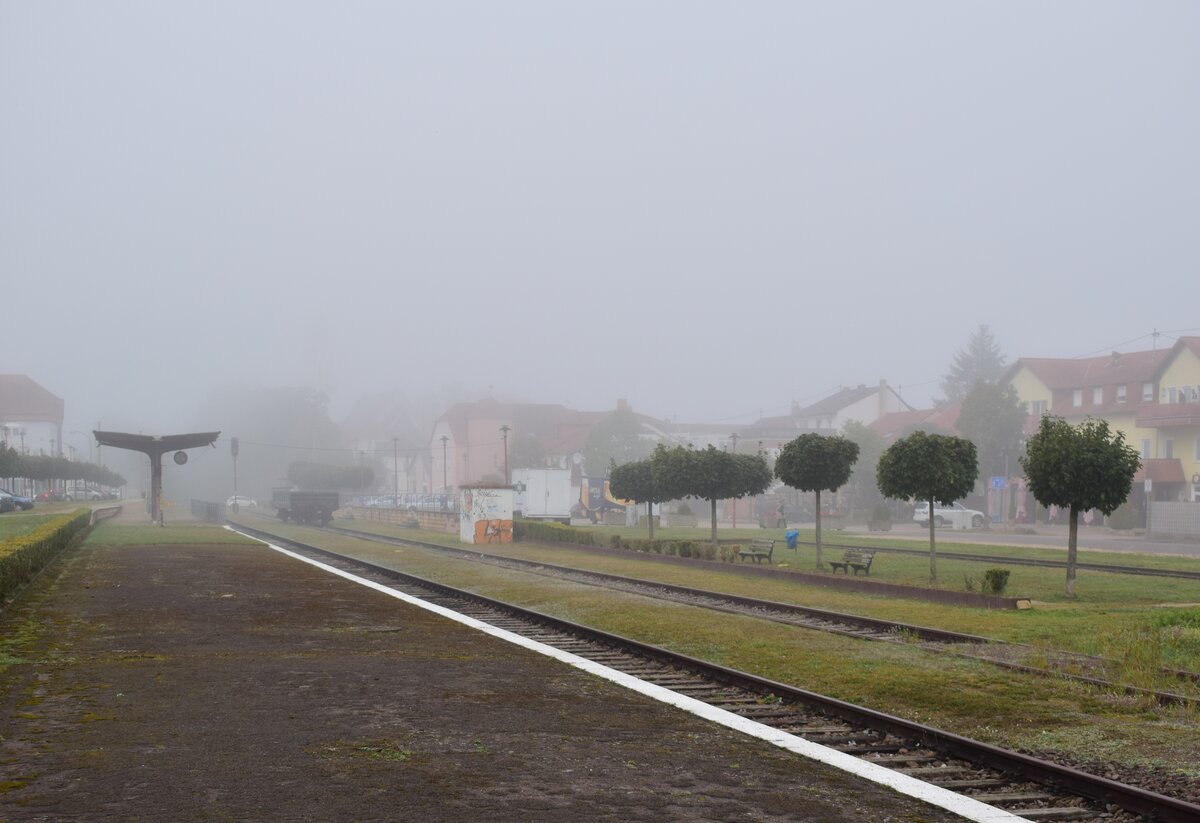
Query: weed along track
(1023, 785)
(1018, 657)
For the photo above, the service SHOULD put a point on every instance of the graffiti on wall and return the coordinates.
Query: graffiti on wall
(486, 516)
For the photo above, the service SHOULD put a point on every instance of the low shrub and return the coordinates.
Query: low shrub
(24, 556)
(1125, 517)
(970, 583)
(995, 580)
(553, 533)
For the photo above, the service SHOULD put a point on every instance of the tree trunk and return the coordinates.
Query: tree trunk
(818, 507)
(714, 523)
(932, 546)
(650, 517)
(1072, 538)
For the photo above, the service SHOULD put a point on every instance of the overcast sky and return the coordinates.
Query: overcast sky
(709, 209)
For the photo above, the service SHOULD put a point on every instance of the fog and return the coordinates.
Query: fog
(709, 209)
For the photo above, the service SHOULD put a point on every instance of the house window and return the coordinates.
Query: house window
(1169, 448)
(1147, 392)
(1145, 448)
(1077, 398)
(1121, 393)
(1037, 408)
(1097, 396)
(1196, 449)
(1172, 395)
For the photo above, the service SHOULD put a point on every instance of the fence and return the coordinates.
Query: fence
(405, 501)
(1174, 518)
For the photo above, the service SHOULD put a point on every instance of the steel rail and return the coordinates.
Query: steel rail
(889, 627)
(875, 624)
(1153, 806)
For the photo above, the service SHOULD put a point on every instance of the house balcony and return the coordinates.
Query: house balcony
(1168, 415)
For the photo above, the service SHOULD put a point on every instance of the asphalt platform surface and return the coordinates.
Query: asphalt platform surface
(232, 683)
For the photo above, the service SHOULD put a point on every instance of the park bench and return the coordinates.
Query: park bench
(759, 548)
(857, 559)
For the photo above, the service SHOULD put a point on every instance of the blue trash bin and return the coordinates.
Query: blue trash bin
(793, 537)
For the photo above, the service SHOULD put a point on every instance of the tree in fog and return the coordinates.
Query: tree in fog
(862, 487)
(615, 439)
(710, 474)
(1080, 467)
(814, 462)
(323, 476)
(981, 360)
(527, 452)
(9, 460)
(993, 418)
(276, 427)
(929, 467)
(635, 481)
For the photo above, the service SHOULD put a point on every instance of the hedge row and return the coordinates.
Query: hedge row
(24, 556)
(558, 533)
(553, 533)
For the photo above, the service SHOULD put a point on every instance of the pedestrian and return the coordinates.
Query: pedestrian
(780, 520)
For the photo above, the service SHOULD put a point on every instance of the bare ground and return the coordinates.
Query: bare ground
(232, 683)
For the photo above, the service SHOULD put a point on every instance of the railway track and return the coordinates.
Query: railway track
(1081, 668)
(1025, 786)
(1141, 571)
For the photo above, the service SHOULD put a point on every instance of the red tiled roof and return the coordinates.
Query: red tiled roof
(891, 425)
(1160, 470)
(1192, 343)
(559, 429)
(24, 401)
(1109, 370)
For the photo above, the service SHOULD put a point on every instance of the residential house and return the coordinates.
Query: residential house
(470, 441)
(31, 418)
(1151, 397)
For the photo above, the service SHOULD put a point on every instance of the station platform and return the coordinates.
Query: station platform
(155, 683)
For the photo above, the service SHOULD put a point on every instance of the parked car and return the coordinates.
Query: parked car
(22, 502)
(239, 501)
(943, 514)
(84, 494)
(7, 504)
(51, 496)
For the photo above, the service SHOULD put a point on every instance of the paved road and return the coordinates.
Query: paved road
(1098, 539)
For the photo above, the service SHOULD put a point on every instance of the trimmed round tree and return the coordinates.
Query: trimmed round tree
(710, 474)
(930, 467)
(1078, 468)
(814, 462)
(635, 481)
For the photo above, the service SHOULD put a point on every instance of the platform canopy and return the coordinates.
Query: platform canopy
(152, 443)
(154, 447)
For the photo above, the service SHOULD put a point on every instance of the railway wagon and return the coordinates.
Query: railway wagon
(306, 507)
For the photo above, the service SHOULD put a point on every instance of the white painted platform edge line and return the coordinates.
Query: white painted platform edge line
(934, 795)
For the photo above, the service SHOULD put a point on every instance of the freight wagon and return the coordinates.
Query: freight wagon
(310, 508)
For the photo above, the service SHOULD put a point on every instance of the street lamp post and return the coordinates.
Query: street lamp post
(89, 442)
(444, 439)
(734, 437)
(396, 467)
(504, 430)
